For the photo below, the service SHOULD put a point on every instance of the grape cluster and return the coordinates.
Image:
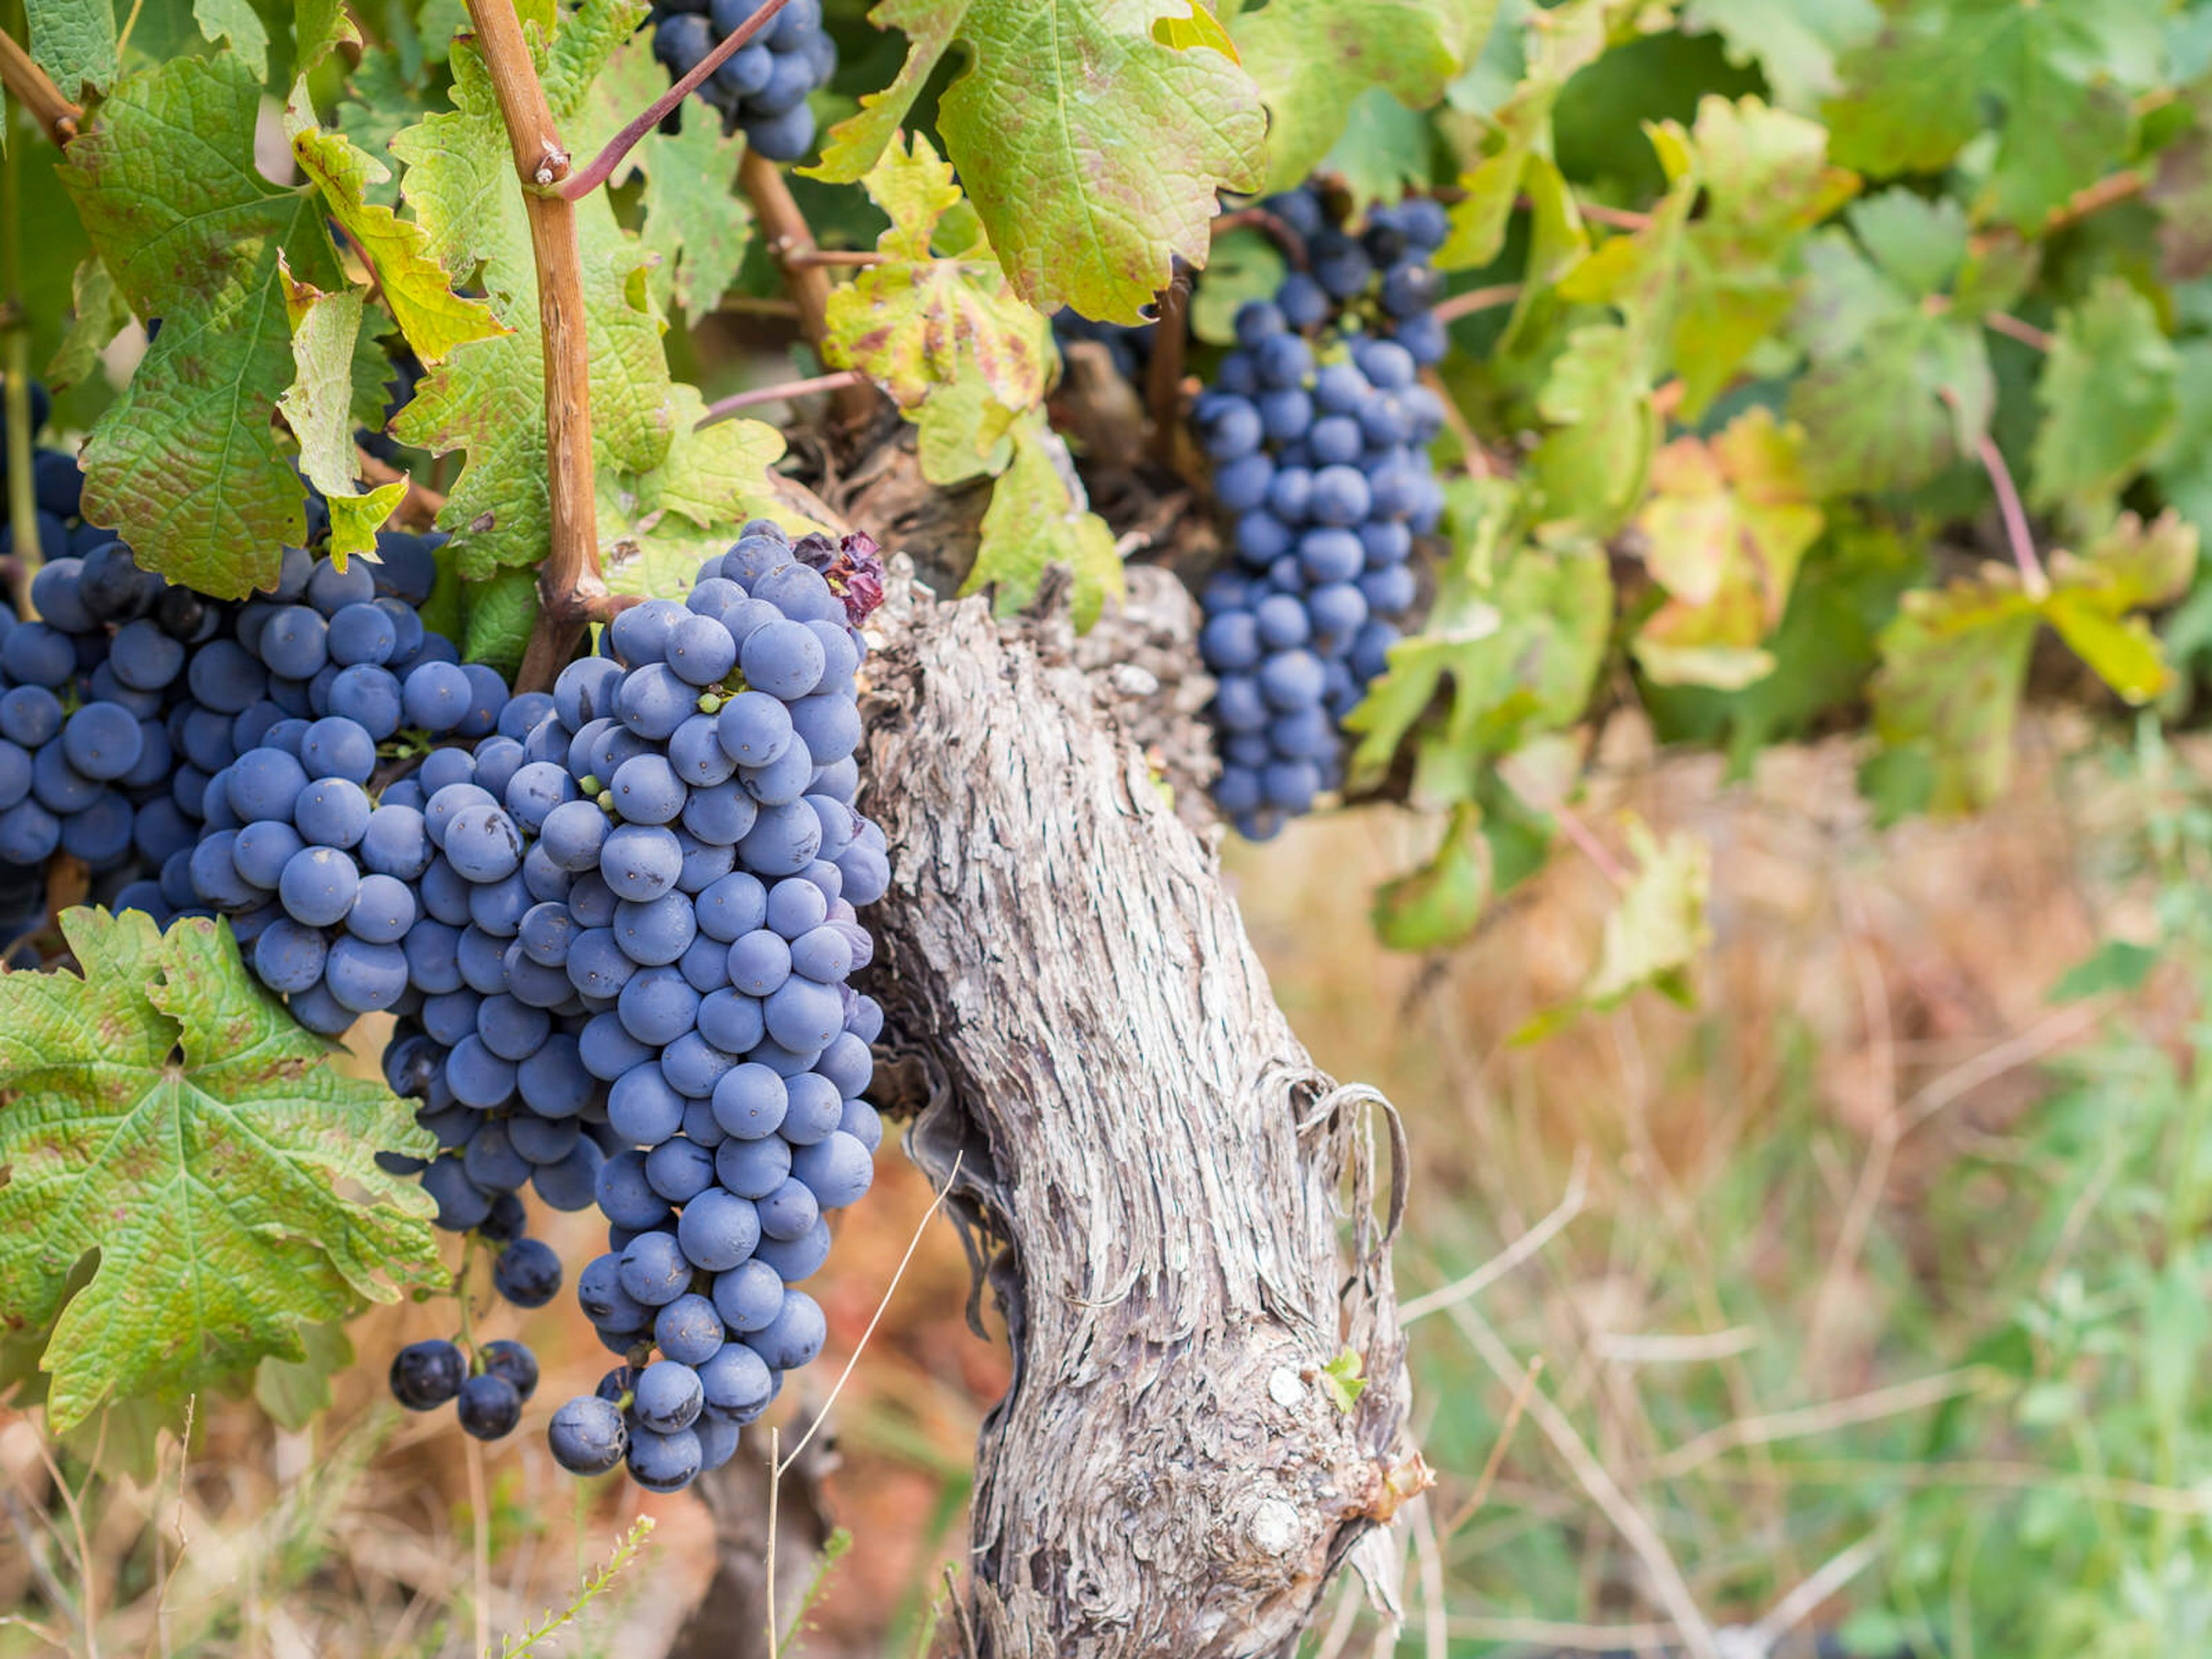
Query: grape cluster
(762, 87)
(1324, 465)
(717, 863)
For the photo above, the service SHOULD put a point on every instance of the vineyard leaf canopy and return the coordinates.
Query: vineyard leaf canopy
(1312, 60)
(164, 1112)
(1093, 150)
(185, 465)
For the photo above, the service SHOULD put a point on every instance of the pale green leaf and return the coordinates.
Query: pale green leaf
(1794, 42)
(1037, 519)
(497, 615)
(236, 21)
(318, 28)
(164, 1112)
(2111, 397)
(1312, 60)
(414, 286)
(1659, 929)
(1443, 902)
(319, 408)
(97, 314)
(1953, 665)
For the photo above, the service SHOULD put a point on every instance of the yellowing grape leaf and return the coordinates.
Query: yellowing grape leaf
(185, 465)
(1954, 660)
(1094, 150)
(97, 315)
(413, 284)
(1313, 58)
(2110, 398)
(1561, 41)
(916, 324)
(163, 1111)
(655, 527)
(1442, 902)
(1590, 467)
(319, 408)
(1723, 530)
(1659, 929)
(1039, 517)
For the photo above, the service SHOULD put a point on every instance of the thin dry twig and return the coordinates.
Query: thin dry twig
(722, 408)
(1825, 1581)
(1807, 1420)
(1635, 1529)
(1474, 1284)
(1496, 1460)
(1477, 300)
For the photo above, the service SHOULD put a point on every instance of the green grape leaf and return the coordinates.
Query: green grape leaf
(1590, 467)
(1723, 530)
(73, 41)
(2183, 468)
(695, 220)
(2063, 73)
(1559, 41)
(1312, 59)
(1710, 288)
(236, 21)
(295, 1392)
(1246, 265)
(914, 323)
(1038, 518)
(1899, 384)
(434, 319)
(1442, 902)
(720, 476)
(318, 28)
(319, 408)
(487, 396)
(97, 314)
(1094, 150)
(1517, 632)
(1953, 663)
(2110, 398)
(1659, 928)
(496, 616)
(1385, 150)
(960, 433)
(1795, 43)
(185, 465)
(164, 1112)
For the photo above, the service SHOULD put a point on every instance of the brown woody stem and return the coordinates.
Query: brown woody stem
(604, 163)
(25, 80)
(1163, 375)
(569, 580)
(790, 243)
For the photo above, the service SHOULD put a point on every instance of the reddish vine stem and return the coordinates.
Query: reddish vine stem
(1163, 375)
(20, 72)
(2017, 532)
(1280, 231)
(2011, 327)
(1477, 299)
(789, 239)
(604, 163)
(833, 256)
(723, 408)
(569, 579)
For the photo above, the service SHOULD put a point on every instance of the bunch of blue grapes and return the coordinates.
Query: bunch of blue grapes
(717, 863)
(1318, 429)
(762, 87)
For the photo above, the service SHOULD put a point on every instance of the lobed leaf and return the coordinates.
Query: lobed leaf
(160, 1111)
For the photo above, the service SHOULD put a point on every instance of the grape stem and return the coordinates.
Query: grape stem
(569, 582)
(1451, 309)
(1163, 375)
(603, 166)
(20, 72)
(790, 241)
(723, 408)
